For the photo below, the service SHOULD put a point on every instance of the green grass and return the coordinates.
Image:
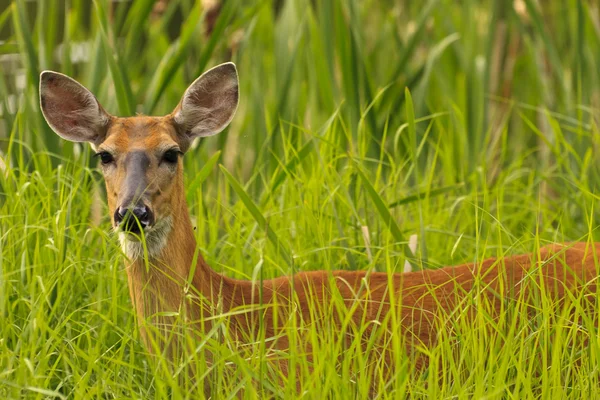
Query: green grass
(491, 151)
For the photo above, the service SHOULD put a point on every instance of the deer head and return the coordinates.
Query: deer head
(140, 156)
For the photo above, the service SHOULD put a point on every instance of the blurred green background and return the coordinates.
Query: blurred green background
(487, 65)
(471, 124)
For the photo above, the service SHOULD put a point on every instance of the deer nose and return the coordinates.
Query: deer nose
(131, 219)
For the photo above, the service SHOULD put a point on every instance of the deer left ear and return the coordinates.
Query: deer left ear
(71, 110)
(209, 104)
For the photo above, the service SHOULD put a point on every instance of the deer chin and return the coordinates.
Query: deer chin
(154, 239)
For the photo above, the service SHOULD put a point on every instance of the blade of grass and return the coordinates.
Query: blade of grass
(386, 216)
(223, 21)
(134, 22)
(288, 169)
(120, 79)
(417, 35)
(258, 216)
(23, 36)
(4, 17)
(549, 47)
(201, 176)
(48, 32)
(426, 193)
(173, 59)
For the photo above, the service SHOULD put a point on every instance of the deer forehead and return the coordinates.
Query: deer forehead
(140, 133)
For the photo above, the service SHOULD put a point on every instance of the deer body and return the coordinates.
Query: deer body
(140, 160)
(421, 296)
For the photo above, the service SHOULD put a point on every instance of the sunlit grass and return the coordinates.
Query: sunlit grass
(491, 152)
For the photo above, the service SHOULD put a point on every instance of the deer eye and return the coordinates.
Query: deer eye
(105, 157)
(171, 156)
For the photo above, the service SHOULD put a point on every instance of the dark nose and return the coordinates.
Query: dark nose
(131, 219)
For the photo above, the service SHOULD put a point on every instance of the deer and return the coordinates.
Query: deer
(140, 158)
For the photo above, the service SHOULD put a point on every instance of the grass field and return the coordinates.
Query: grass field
(471, 124)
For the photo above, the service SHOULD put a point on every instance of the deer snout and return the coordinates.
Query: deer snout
(132, 218)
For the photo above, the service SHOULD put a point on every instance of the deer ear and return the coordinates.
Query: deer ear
(71, 110)
(209, 104)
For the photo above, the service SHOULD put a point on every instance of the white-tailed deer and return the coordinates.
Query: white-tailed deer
(140, 158)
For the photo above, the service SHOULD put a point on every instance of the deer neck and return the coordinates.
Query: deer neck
(171, 268)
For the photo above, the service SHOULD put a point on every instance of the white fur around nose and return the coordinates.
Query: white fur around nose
(155, 238)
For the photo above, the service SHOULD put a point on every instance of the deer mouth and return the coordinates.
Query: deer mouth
(150, 241)
(135, 226)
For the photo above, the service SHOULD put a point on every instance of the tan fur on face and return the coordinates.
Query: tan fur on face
(153, 136)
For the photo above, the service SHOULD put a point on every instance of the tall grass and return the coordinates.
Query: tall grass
(330, 163)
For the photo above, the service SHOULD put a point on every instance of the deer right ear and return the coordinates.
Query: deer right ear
(209, 104)
(71, 110)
